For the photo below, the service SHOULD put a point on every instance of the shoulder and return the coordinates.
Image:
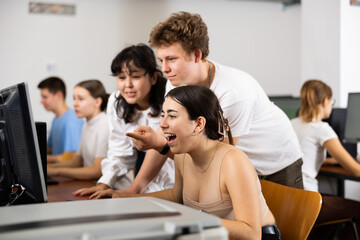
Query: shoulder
(234, 157)
(296, 122)
(232, 85)
(236, 166)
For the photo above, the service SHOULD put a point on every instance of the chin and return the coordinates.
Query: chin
(174, 150)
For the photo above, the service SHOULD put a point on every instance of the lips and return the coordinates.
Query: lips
(170, 138)
(170, 77)
(130, 94)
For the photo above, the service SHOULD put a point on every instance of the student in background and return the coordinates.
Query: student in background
(210, 175)
(138, 101)
(65, 133)
(90, 101)
(259, 128)
(317, 137)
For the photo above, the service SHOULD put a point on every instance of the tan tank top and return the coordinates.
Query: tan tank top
(210, 198)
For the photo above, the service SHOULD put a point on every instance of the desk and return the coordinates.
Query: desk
(338, 172)
(63, 190)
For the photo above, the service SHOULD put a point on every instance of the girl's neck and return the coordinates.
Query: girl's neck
(203, 152)
(89, 118)
(144, 104)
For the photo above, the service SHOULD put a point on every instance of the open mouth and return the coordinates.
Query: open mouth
(170, 137)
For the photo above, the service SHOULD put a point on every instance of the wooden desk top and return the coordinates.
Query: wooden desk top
(336, 171)
(63, 190)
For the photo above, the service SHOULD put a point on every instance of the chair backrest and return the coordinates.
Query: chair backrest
(295, 210)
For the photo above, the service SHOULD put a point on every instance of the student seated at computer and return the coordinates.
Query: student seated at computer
(210, 175)
(138, 101)
(90, 101)
(65, 133)
(317, 137)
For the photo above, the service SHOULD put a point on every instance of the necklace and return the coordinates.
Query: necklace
(207, 167)
(209, 78)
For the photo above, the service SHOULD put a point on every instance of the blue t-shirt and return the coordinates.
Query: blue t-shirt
(65, 133)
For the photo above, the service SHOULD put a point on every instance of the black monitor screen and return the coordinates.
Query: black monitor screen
(21, 175)
(352, 123)
(337, 122)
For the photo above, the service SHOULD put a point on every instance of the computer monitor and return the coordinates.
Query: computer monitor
(21, 175)
(352, 123)
(289, 104)
(337, 122)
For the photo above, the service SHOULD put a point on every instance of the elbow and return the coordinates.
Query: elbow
(356, 171)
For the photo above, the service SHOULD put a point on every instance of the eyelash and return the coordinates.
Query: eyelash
(170, 116)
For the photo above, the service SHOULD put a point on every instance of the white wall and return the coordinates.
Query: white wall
(320, 45)
(262, 38)
(349, 50)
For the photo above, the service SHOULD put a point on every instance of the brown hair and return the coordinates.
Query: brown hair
(185, 28)
(96, 89)
(313, 92)
(53, 85)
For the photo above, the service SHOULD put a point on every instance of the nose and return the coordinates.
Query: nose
(164, 67)
(128, 82)
(163, 123)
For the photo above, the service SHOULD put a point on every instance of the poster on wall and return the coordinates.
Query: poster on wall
(355, 2)
(51, 8)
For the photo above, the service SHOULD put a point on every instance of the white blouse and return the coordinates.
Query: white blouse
(122, 155)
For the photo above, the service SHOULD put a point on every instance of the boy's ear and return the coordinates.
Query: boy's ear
(59, 94)
(198, 55)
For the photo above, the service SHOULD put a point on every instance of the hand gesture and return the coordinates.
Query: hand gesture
(145, 138)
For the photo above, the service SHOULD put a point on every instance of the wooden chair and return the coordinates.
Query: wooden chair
(295, 210)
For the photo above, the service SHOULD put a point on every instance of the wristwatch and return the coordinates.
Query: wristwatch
(165, 149)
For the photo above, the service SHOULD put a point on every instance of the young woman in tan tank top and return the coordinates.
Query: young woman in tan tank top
(209, 175)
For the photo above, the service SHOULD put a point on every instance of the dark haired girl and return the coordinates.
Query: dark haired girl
(138, 101)
(209, 175)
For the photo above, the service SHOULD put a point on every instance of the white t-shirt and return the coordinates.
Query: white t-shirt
(94, 139)
(265, 132)
(312, 136)
(122, 155)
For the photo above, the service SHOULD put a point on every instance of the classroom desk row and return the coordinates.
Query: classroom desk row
(63, 190)
(340, 174)
(66, 186)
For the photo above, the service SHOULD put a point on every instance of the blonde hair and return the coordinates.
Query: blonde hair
(185, 28)
(313, 92)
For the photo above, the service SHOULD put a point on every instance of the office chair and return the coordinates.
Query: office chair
(295, 210)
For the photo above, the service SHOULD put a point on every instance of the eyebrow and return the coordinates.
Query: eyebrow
(169, 111)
